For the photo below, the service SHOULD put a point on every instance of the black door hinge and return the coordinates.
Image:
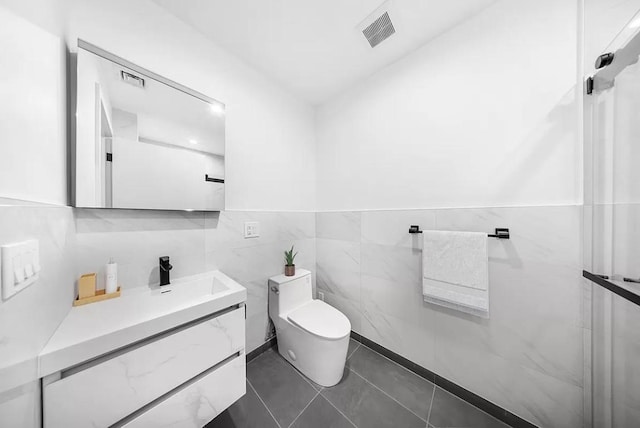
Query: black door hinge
(109, 157)
(589, 85)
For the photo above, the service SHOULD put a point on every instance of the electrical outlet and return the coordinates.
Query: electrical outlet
(321, 295)
(251, 229)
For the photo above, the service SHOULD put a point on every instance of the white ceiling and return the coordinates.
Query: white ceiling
(316, 47)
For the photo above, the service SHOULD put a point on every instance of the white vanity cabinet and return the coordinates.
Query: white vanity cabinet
(182, 376)
(198, 403)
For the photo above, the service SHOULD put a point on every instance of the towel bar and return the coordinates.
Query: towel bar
(500, 233)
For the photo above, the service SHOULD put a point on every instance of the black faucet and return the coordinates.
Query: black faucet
(165, 267)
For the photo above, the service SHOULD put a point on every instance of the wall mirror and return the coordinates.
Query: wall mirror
(143, 141)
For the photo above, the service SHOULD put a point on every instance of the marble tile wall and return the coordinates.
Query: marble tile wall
(28, 318)
(135, 239)
(616, 338)
(526, 356)
(625, 366)
(529, 353)
(196, 242)
(252, 261)
(613, 234)
(625, 318)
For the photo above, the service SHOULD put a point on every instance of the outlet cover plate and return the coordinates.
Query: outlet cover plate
(251, 229)
(19, 259)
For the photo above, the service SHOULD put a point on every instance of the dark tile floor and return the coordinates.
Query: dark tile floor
(374, 392)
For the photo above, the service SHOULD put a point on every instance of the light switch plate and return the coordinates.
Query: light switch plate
(20, 266)
(251, 229)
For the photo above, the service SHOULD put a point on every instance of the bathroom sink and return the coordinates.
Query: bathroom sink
(193, 287)
(92, 330)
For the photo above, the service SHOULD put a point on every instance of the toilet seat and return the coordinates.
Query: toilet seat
(320, 319)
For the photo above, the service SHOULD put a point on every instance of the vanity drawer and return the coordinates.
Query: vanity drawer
(103, 394)
(198, 403)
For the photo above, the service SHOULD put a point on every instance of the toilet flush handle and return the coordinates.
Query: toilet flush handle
(275, 289)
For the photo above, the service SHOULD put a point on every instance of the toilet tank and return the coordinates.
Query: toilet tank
(292, 291)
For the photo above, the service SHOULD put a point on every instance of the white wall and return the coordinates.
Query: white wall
(485, 115)
(32, 125)
(270, 134)
(603, 21)
(270, 166)
(32, 167)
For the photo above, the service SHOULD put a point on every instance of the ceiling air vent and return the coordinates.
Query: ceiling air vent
(132, 79)
(379, 30)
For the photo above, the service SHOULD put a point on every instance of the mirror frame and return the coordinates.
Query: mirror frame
(89, 47)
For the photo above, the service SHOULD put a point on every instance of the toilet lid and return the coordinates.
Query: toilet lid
(321, 319)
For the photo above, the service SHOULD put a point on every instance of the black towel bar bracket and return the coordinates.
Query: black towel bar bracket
(212, 179)
(500, 233)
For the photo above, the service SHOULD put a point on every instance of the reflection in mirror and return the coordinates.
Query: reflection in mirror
(142, 141)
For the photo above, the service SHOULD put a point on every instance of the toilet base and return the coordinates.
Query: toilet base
(320, 360)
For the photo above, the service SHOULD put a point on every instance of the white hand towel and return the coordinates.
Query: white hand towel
(456, 270)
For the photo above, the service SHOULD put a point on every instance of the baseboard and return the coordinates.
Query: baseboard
(261, 349)
(466, 395)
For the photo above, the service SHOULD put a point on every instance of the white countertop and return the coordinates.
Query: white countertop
(90, 331)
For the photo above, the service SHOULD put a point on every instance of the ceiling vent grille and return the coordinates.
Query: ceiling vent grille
(379, 30)
(132, 79)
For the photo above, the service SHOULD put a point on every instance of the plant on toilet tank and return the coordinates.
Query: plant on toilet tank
(289, 266)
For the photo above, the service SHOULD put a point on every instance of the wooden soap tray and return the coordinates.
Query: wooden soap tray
(100, 295)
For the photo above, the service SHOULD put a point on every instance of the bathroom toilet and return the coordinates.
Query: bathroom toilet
(312, 335)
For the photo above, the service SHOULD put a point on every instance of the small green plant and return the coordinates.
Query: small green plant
(289, 256)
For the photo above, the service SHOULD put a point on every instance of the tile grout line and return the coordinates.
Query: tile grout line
(385, 393)
(354, 351)
(258, 357)
(339, 411)
(433, 396)
(288, 364)
(472, 405)
(299, 373)
(303, 409)
(264, 404)
(426, 380)
(399, 365)
(359, 344)
(304, 377)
